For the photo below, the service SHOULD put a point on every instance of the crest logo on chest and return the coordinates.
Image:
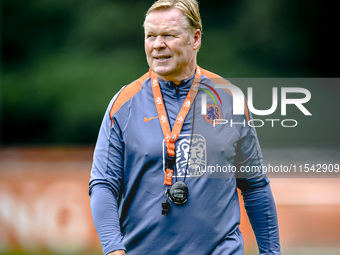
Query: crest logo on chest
(214, 112)
(190, 156)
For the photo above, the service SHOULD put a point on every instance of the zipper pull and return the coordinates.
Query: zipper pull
(177, 90)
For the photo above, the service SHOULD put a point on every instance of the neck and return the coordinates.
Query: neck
(177, 80)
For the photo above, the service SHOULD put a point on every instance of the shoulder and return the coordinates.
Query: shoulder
(216, 81)
(209, 74)
(222, 85)
(128, 92)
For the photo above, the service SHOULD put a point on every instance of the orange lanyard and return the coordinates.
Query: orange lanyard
(171, 137)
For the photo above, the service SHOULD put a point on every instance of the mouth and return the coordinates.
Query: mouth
(162, 58)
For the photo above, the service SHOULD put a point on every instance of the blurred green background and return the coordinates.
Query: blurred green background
(62, 61)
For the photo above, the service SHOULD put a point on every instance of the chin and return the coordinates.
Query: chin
(162, 70)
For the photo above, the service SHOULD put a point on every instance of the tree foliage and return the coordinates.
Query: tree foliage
(62, 61)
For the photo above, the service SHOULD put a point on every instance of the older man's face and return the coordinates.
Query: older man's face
(170, 50)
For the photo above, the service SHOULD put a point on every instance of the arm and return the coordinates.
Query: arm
(105, 184)
(256, 191)
(261, 210)
(106, 219)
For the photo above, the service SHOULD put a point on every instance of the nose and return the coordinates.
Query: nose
(159, 43)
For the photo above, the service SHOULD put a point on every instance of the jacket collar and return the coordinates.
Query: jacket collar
(170, 88)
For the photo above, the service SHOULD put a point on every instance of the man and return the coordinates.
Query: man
(146, 196)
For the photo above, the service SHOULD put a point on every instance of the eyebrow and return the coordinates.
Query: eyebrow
(165, 31)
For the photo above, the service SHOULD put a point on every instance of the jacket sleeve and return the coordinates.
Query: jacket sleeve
(256, 191)
(105, 218)
(261, 210)
(105, 183)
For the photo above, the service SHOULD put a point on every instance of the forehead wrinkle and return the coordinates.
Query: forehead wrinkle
(160, 29)
(171, 23)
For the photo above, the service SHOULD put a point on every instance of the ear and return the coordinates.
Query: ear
(197, 39)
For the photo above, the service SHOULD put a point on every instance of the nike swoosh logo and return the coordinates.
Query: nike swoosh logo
(148, 119)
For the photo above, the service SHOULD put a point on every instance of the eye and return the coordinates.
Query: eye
(149, 36)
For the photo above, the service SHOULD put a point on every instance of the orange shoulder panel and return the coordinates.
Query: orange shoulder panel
(209, 74)
(216, 79)
(127, 93)
(219, 80)
(246, 110)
